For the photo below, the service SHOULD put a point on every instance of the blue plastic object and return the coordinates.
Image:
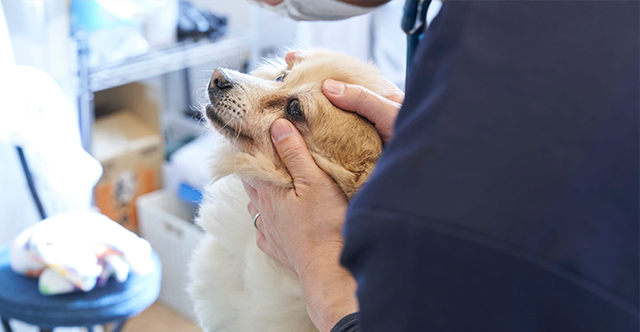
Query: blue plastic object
(190, 195)
(115, 302)
(91, 15)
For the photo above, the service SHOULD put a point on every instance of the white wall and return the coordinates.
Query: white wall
(6, 52)
(44, 42)
(375, 36)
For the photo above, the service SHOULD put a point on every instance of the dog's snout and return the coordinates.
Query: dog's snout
(221, 80)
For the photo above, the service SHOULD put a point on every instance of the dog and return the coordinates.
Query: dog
(235, 286)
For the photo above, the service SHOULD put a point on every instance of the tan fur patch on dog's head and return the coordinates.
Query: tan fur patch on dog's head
(243, 107)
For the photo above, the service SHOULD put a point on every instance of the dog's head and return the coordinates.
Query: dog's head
(243, 107)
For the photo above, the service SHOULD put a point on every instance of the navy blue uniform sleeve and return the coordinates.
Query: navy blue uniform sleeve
(508, 199)
(347, 324)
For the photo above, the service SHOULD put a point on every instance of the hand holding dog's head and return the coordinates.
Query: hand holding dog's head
(243, 108)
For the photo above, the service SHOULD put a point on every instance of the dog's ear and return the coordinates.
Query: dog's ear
(349, 180)
(345, 179)
(293, 57)
(270, 68)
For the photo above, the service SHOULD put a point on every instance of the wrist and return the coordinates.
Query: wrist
(329, 290)
(365, 3)
(272, 2)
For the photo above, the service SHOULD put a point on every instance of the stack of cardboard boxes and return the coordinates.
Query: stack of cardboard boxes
(128, 143)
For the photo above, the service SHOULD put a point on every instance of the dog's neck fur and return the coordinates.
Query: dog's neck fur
(260, 167)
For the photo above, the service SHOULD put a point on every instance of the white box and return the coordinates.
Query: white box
(167, 224)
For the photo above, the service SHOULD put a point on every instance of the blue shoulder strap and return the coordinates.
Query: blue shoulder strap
(414, 23)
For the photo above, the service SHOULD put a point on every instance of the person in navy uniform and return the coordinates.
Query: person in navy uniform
(507, 197)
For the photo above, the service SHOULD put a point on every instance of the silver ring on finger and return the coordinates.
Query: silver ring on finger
(256, 219)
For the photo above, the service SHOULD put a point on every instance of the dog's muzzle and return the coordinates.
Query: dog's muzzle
(227, 109)
(221, 82)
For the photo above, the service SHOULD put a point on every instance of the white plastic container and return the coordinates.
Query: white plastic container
(161, 23)
(167, 224)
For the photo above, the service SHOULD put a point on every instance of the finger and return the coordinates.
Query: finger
(253, 210)
(394, 93)
(259, 186)
(294, 153)
(361, 100)
(251, 191)
(263, 244)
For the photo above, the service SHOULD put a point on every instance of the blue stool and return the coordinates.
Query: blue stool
(113, 303)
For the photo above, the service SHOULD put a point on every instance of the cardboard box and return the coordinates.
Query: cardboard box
(138, 98)
(131, 153)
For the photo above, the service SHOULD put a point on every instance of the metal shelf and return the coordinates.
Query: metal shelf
(154, 63)
(158, 62)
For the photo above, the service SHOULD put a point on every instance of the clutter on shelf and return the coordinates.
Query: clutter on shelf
(116, 30)
(189, 168)
(197, 23)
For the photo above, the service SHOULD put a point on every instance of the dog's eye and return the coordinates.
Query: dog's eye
(294, 110)
(281, 77)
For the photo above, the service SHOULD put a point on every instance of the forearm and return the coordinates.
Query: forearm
(360, 3)
(365, 3)
(330, 291)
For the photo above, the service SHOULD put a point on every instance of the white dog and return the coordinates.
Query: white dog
(235, 286)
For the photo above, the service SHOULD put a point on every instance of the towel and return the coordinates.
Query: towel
(78, 252)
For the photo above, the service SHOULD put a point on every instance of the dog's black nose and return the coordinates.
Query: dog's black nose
(220, 80)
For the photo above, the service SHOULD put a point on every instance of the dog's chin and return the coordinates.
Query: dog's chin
(214, 118)
(224, 126)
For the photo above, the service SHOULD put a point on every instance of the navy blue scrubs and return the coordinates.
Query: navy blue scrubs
(508, 199)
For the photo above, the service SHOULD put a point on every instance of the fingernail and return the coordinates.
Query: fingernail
(334, 87)
(280, 130)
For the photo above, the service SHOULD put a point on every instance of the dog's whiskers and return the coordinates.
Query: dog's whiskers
(237, 127)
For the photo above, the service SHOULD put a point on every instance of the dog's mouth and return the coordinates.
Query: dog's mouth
(224, 127)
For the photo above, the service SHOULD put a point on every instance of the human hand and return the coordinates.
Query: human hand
(301, 227)
(380, 110)
(271, 2)
(297, 223)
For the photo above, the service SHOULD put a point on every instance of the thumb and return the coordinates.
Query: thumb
(294, 153)
(355, 98)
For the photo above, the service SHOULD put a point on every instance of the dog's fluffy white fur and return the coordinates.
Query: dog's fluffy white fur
(235, 286)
